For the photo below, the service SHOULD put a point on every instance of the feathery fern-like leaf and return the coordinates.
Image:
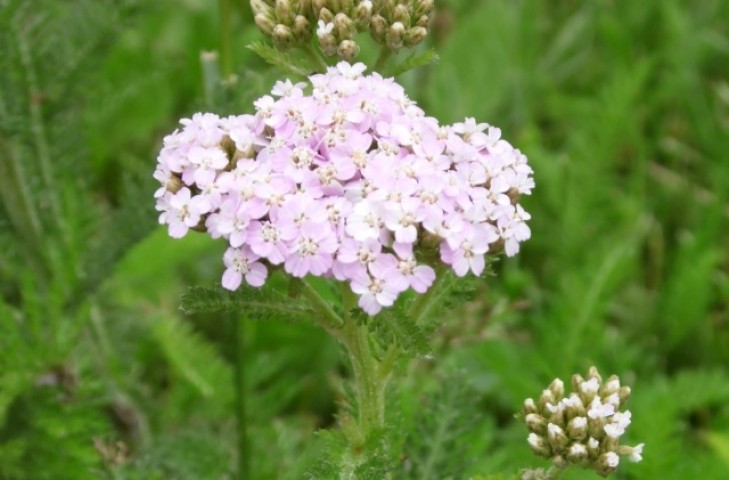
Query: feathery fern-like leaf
(414, 60)
(283, 61)
(264, 303)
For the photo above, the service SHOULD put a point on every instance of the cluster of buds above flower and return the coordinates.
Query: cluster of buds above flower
(398, 23)
(392, 23)
(339, 22)
(582, 428)
(285, 22)
(353, 181)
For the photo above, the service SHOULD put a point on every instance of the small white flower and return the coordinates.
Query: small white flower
(590, 386)
(578, 450)
(600, 410)
(637, 454)
(611, 459)
(324, 29)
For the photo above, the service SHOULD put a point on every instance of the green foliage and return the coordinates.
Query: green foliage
(438, 446)
(413, 61)
(395, 327)
(287, 63)
(254, 303)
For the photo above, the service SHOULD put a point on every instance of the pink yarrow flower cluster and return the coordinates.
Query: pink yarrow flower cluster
(351, 181)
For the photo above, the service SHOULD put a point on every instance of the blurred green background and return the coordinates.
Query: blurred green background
(623, 110)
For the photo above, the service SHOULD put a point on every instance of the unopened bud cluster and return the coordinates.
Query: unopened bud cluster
(392, 23)
(285, 22)
(582, 427)
(339, 22)
(400, 23)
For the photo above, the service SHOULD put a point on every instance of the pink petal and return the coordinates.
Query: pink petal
(256, 275)
(231, 279)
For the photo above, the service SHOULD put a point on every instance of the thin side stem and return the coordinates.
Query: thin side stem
(226, 40)
(331, 321)
(424, 303)
(316, 59)
(240, 398)
(382, 59)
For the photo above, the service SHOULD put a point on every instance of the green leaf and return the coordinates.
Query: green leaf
(394, 326)
(260, 304)
(193, 358)
(439, 445)
(414, 60)
(282, 60)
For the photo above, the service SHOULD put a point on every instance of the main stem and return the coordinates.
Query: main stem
(370, 385)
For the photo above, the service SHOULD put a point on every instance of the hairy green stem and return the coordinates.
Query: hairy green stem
(371, 375)
(370, 388)
(240, 398)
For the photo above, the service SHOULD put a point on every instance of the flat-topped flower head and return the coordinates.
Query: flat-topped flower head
(346, 177)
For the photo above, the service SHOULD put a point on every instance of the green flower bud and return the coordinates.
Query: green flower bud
(556, 437)
(577, 381)
(547, 397)
(401, 14)
(423, 21)
(362, 15)
(557, 416)
(536, 423)
(557, 389)
(573, 406)
(611, 385)
(560, 461)
(577, 428)
(302, 30)
(529, 407)
(348, 50)
(344, 27)
(414, 36)
(539, 445)
(328, 45)
(423, 8)
(593, 448)
(317, 5)
(265, 23)
(577, 453)
(284, 12)
(378, 28)
(623, 394)
(593, 373)
(326, 15)
(607, 463)
(282, 37)
(260, 6)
